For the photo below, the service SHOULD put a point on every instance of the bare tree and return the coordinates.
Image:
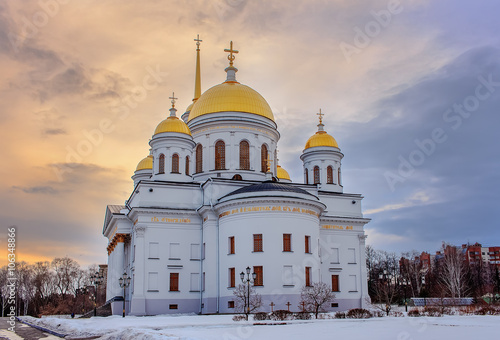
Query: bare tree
(66, 271)
(453, 271)
(314, 297)
(241, 294)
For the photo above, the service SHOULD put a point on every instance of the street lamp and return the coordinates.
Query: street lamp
(405, 283)
(124, 283)
(248, 281)
(96, 279)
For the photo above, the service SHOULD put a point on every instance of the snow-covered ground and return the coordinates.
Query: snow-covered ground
(221, 327)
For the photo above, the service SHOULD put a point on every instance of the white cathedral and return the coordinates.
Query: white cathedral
(210, 200)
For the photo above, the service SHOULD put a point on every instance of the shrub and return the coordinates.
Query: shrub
(259, 316)
(396, 314)
(359, 313)
(378, 313)
(302, 316)
(432, 311)
(487, 310)
(340, 315)
(239, 317)
(280, 315)
(414, 312)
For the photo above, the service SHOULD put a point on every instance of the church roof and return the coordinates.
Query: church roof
(269, 186)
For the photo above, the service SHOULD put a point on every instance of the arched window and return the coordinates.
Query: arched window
(199, 158)
(187, 165)
(340, 183)
(237, 177)
(263, 158)
(175, 163)
(316, 175)
(306, 175)
(161, 164)
(244, 155)
(220, 155)
(329, 175)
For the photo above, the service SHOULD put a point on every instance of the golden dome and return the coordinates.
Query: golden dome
(282, 173)
(231, 96)
(321, 138)
(145, 164)
(172, 124)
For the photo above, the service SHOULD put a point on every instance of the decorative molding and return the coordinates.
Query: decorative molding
(139, 230)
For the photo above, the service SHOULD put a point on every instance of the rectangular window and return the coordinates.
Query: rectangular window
(308, 276)
(175, 251)
(335, 256)
(259, 279)
(335, 283)
(353, 283)
(351, 255)
(152, 281)
(230, 304)
(203, 252)
(231, 278)
(335, 304)
(287, 275)
(203, 282)
(307, 244)
(154, 250)
(287, 242)
(195, 251)
(257, 242)
(173, 306)
(194, 282)
(174, 282)
(230, 245)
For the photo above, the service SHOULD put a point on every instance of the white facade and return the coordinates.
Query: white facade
(184, 237)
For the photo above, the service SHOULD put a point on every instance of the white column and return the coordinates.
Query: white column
(365, 298)
(138, 301)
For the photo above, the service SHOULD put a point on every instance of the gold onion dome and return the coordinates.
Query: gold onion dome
(321, 138)
(282, 173)
(231, 96)
(172, 124)
(145, 164)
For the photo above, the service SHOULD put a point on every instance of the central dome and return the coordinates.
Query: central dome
(231, 96)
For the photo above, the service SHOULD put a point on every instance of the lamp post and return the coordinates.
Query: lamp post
(248, 281)
(405, 284)
(96, 279)
(124, 283)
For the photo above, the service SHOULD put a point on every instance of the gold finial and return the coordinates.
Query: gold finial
(320, 116)
(198, 40)
(231, 56)
(173, 100)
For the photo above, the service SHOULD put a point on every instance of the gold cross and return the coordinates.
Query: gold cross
(320, 116)
(198, 40)
(173, 99)
(231, 57)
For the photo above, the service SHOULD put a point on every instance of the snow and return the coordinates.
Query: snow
(221, 327)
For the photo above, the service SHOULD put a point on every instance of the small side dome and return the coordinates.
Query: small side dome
(172, 124)
(145, 164)
(321, 138)
(282, 173)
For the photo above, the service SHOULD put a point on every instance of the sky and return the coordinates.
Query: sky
(410, 90)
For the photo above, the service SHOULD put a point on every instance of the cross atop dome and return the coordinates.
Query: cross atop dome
(173, 110)
(320, 125)
(173, 99)
(231, 56)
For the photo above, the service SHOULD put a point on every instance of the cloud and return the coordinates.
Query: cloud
(45, 190)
